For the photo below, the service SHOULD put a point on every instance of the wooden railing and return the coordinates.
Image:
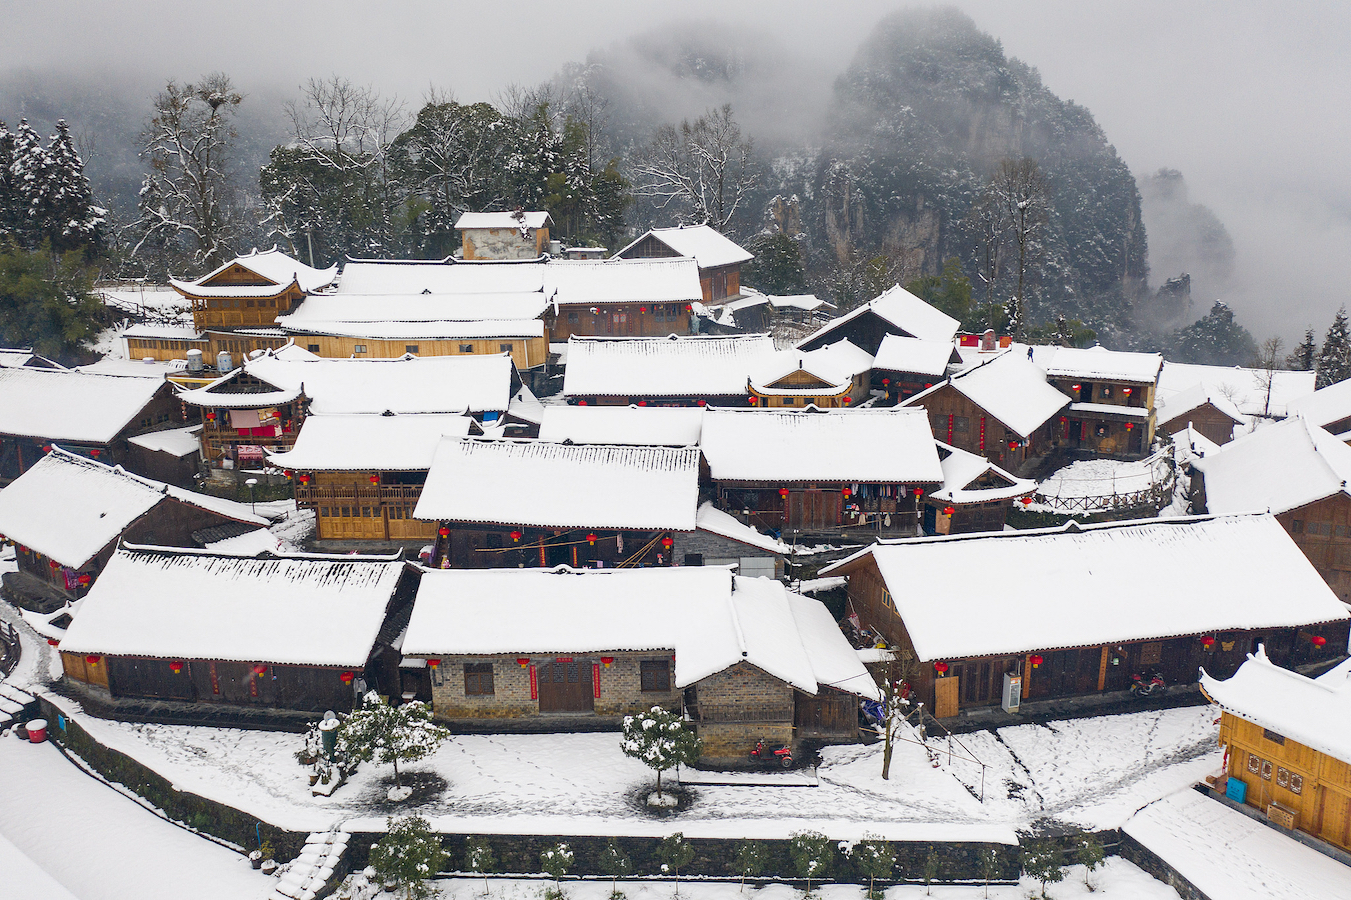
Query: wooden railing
(357, 493)
(10, 649)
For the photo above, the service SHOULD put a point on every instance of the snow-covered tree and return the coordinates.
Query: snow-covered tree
(1305, 355)
(30, 171)
(752, 857)
(1024, 197)
(675, 853)
(380, 733)
(556, 861)
(875, 858)
(408, 855)
(1214, 340)
(660, 740)
(73, 220)
(812, 854)
(1334, 360)
(1044, 861)
(1090, 854)
(478, 857)
(702, 169)
(615, 863)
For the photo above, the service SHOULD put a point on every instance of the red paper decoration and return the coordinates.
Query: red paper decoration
(176, 667)
(642, 403)
(940, 667)
(92, 659)
(846, 491)
(783, 492)
(260, 669)
(347, 677)
(581, 403)
(1207, 642)
(591, 539)
(433, 663)
(1035, 659)
(667, 542)
(886, 381)
(95, 452)
(375, 479)
(607, 661)
(443, 531)
(1026, 501)
(515, 535)
(1318, 640)
(949, 510)
(522, 661)
(848, 400)
(688, 308)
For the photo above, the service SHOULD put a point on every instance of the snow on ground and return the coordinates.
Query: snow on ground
(1099, 478)
(1116, 879)
(99, 844)
(26, 878)
(1227, 854)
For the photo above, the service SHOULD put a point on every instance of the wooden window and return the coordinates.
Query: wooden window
(249, 304)
(655, 675)
(359, 348)
(961, 423)
(1282, 777)
(1151, 653)
(572, 318)
(504, 348)
(1266, 770)
(1296, 783)
(1296, 526)
(313, 348)
(1254, 764)
(495, 541)
(466, 348)
(410, 348)
(323, 511)
(1273, 736)
(887, 600)
(694, 559)
(478, 679)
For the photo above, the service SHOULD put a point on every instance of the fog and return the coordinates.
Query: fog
(1247, 99)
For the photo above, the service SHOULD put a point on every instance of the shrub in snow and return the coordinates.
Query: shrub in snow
(380, 733)
(615, 863)
(675, 853)
(557, 861)
(811, 853)
(989, 867)
(751, 859)
(408, 855)
(874, 858)
(478, 857)
(659, 739)
(1090, 854)
(931, 863)
(1043, 861)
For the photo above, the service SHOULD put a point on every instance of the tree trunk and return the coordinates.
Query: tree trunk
(397, 782)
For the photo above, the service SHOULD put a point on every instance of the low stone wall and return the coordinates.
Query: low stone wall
(1137, 853)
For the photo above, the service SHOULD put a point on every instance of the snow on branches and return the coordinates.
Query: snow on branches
(660, 740)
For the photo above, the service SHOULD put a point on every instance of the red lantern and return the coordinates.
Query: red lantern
(1076, 387)
(1126, 391)
(607, 661)
(46, 448)
(847, 492)
(689, 308)
(1035, 659)
(754, 400)
(848, 400)
(515, 536)
(927, 386)
(211, 417)
(642, 403)
(940, 667)
(667, 542)
(176, 667)
(949, 510)
(347, 677)
(581, 403)
(84, 579)
(95, 452)
(1318, 640)
(919, 492)
(433, 663)
(591, 539)
(53, 563)
(92, 659)
(642, 309)
(522, 661)
(1130, 425)
(886, 381)
(53, 642)
(783, 492)
(1025, 501)
(260, 669)
(375, 479)
(304, 479)
(443, 531)
(1013, 445)
(701, 402)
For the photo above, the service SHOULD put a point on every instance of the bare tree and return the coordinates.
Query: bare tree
(1267, 363)
(190, 193)
(704, 165)
(1021, 191)
(338, 123)
(990, 225)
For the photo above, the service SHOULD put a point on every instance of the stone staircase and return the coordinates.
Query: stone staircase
(12, 703)
(317, 870)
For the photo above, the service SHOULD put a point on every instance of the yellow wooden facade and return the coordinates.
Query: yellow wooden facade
(1291, 783)
(349, 506)
(795, 383)
(526, 353)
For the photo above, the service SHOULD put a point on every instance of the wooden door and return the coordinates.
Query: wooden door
(946, 695)
(565, 686)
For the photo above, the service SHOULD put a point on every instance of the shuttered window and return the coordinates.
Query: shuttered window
(478, 679)
(656, 675)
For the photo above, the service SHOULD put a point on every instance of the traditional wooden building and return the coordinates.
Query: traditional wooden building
(166, 342)
(896, 311)
(754, 311)
(505, 503)
(812, 470)
(93, 415)
(668, 371)
(621, 297)
(975, 495)
(172, 455)
(1002, 409)
(198, 627)
(1297, 471)
(67, 514)
(363, 474)
(720, 259)
(1329, 408)
(904, 366)
(742, 658)
(1287, 745)
(1263, 393)
(1204, 410)
(1112, 397)
(832, 376)
(504, 235)
(1079, 610)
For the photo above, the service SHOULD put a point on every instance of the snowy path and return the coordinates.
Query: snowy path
(99, 845)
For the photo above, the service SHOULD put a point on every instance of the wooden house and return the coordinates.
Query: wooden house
(1112, 398)
(363, 474)
(904, 366)
(1002, 409)
(975, 495)
(1262, 393)
(753, 311)
(668, 371)
(24, 357)
(1329, 408)
(1205, 410)
(93, 415)
(832, 376)
(1298, 472)
(719, 258)
(504, 235)
(290, 633)
(172, 455)
(1287, 745)
(812, 470)
(505, 503)
(621, 297)
(67, 514)
(742, 658)
(896, 311)
(167, 342)
(1080, 609)
(235, 306)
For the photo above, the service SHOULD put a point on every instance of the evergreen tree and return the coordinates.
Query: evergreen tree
(73, 221)
(31, 180)
(751, 859)
(875, 858)
(659, 739)
(1305, 355)
(812, 854)
(380, 733)
(1043, 861)
(478, 857)
(777, 267)
(1090, 855)
(949, 291)
(615, 863)
(45, 302)
(1334, 360)
(9, 202)
(557, 861)
(1215, 340)
(675, 853)
(408, 855)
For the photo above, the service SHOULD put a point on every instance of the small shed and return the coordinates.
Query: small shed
(518, 234)
(292, 633)
(1203, 409)
(975, 495)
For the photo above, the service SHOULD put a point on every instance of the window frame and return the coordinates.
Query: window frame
(654, 676)
(479, 680)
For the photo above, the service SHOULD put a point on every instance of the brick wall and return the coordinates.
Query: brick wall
(740, 704)
(714, 547)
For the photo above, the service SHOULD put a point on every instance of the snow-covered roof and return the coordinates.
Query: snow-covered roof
(751, 297)
(271, 265)
(18, 357)
(1099, 362)
(1245, 388)
(961, 468)
(1194, 397)
(654, 426)
(1325, 406)
(426, 316)
(415, 277)
(562, 485)
(906, 354)
(163, 332)
(1009, 387)
(908, 313)
(836, 364)
(1221, 573)
(523, 219)
(174, 441)
(664, 367)
(573, 282)
(71, 406)
(711, 619)
(703, 243)
(371, 442)
(200, 605)
(715, 521)
(893, 445)
(1278, 467)
(135, 368)
(409, 384)
(69, 508)
(1109, 409)
(1316, 712)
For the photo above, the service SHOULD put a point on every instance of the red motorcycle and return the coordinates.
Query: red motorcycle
(1143, 686)
(783, 756)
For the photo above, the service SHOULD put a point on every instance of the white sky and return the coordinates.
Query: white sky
(1248, 99)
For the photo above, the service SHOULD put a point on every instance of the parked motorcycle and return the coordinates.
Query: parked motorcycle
(1145, 685)
(783, 756)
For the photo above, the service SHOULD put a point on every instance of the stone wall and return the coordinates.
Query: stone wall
(740, 704)
(714, 547)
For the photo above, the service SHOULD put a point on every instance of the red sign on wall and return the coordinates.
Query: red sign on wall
(534, 685)
(595, 679)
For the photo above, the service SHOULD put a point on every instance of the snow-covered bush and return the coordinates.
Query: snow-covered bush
(408, 855)
(660, 740)
(380, 733)
(874, 858)
(1043, 861)
(557, 861)
(675, 853)
(812, 854)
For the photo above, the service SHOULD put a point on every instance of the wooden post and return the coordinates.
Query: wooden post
(1102, 668)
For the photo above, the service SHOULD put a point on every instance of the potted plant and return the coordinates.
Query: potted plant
(256, 858)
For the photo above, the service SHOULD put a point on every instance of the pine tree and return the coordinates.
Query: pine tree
(557, 861)
(1334, 360)
(9, 212)
(73, 221)
(1305, 355)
